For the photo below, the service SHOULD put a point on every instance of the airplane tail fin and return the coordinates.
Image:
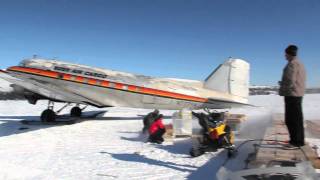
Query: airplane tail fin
(230, 77)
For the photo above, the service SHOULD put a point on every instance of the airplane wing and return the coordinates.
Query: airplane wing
(226, 104)
(49, 91)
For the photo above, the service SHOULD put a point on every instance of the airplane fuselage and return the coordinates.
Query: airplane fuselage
(75, 83)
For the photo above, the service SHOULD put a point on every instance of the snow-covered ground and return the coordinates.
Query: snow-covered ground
(112, 146)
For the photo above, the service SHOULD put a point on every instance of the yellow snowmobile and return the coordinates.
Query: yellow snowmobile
(215, 134)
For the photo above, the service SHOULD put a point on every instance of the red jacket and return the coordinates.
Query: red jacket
(155, 126)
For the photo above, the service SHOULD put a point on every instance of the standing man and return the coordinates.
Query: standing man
(292, 87)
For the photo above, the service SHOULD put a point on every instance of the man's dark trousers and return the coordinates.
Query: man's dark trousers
(294, 120)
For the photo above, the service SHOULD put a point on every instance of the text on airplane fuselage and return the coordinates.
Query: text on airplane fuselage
(78, 71)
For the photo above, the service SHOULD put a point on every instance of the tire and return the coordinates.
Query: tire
(48, 115)
(76, 112)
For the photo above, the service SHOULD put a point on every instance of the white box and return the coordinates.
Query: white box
(182, 124)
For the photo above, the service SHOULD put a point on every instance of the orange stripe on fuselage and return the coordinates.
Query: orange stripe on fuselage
(104, 83)
(132, 88)
(171, 94)
(118, 86)
(67, 76)
(92, 81)
(79, 79)
(35, 71)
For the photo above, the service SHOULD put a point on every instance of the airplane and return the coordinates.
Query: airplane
(57, 81)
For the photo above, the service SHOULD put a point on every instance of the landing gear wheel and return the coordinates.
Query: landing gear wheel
(48, 115)
(76, 112)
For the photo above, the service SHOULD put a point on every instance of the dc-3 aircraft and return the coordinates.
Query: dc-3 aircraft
(57, 81)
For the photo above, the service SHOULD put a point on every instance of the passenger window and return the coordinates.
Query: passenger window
(77, 71)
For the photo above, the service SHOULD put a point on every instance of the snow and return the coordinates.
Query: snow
(261, 87)
(112, 146)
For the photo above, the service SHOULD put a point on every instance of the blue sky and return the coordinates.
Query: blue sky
(164, 38)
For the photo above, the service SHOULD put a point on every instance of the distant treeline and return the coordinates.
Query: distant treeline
(274, 90)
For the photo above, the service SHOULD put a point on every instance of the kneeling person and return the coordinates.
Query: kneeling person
(149, 119)
(156, 130)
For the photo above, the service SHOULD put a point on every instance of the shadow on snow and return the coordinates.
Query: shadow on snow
(142, 159)
(10, 125)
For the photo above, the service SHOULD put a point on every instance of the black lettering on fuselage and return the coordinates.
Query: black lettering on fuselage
(58, 68)
(78, 71)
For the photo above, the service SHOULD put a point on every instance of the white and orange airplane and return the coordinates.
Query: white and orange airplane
(57, 81)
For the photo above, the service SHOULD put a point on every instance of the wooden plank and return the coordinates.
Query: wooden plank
(312, 156)
(265, 154)
(289, 155)
(278, 132)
